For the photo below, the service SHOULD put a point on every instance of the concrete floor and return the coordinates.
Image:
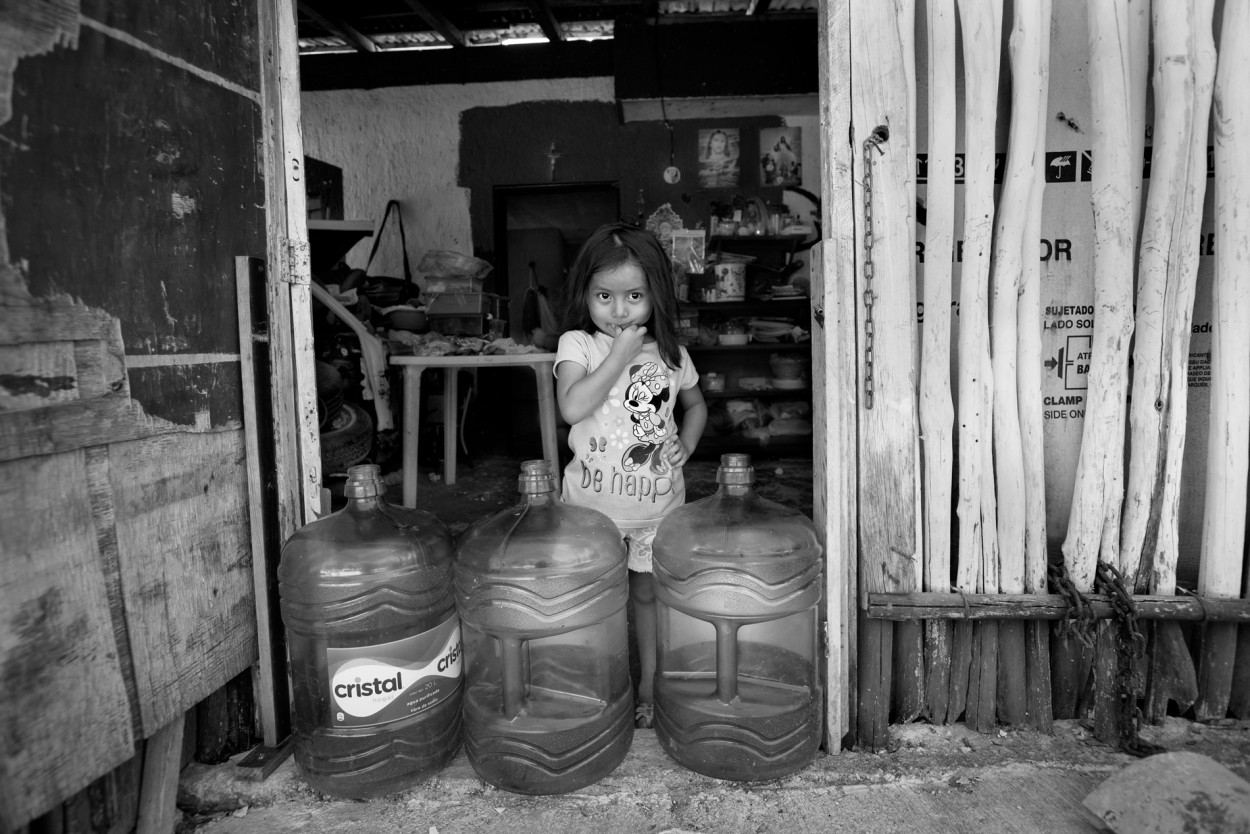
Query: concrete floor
(945, 780)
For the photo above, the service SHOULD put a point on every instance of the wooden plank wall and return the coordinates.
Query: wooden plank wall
(125, 565)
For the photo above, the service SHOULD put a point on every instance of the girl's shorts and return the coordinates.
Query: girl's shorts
(639, 544)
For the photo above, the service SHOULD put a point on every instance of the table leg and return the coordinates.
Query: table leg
(451, 396)
(412, 431)
(547, 416)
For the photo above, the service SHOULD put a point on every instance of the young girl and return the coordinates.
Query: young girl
(619, 372)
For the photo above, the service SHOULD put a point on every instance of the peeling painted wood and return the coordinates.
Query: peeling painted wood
(62, 428)
(297, 440)
(59, 661)
(114, 134)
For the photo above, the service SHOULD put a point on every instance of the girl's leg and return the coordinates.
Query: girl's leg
(642, 594)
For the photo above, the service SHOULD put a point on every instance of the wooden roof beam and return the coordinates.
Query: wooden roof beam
(546, 19)
(437, 21)
(359, 41)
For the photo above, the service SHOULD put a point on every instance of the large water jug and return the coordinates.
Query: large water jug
(374, 641)
(542, 588)
(737, 583)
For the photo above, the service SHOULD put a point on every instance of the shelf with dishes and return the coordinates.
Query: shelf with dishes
(796, 305)
(758, 395)
(749, 347)
(741, 393)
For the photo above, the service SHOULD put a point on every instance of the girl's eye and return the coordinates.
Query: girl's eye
(636, 296)
(602, 296)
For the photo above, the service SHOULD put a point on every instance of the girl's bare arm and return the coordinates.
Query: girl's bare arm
(580, 393)
(693, 420)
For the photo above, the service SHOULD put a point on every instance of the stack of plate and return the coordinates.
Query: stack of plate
(787, 291)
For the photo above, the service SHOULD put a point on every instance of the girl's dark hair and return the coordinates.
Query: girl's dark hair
(611, 246)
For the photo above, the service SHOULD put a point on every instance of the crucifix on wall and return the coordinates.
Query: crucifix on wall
(553, 155)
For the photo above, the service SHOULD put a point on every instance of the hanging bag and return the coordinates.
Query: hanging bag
(538, 319)
(387, 290)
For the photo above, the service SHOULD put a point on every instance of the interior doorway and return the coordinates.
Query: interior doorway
(544, 226)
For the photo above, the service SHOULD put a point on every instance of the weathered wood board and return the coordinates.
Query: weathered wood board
(186, 566)
(60, 663)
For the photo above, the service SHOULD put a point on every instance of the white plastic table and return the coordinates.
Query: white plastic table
(542, 365)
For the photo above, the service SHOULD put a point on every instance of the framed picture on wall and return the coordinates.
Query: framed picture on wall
(781, 156)
(718, 157)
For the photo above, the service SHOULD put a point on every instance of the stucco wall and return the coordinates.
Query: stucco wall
(404, 143)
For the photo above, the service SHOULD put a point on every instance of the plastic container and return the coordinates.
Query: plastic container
(731, 281)
(542, 588)
(374, 643)
(737, 582)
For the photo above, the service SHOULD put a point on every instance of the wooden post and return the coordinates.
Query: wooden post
(937, 410)
(1183, 79)
(889, 519)
(1029, 383)
(1228, 445)
(834, 367)
(1239, 700)
(297, 439)
(1030, 39)
(1116, 57)
(270, 663)
(981, 23)
(162, 761)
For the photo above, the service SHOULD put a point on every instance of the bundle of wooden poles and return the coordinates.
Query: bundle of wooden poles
(965, 615)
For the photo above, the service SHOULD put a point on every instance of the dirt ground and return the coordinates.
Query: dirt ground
(938, 779)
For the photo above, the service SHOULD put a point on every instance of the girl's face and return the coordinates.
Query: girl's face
(618, 297)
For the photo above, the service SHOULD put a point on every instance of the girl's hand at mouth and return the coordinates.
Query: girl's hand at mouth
(627, 341)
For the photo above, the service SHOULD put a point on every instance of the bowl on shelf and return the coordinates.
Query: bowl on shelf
(712, 382)
(404, 317)
(786, 367)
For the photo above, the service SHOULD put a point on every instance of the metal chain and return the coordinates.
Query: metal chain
(1079, 620)
(874, 140)
(1130, 646)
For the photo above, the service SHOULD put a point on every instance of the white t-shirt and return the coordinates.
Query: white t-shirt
(617, 465)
